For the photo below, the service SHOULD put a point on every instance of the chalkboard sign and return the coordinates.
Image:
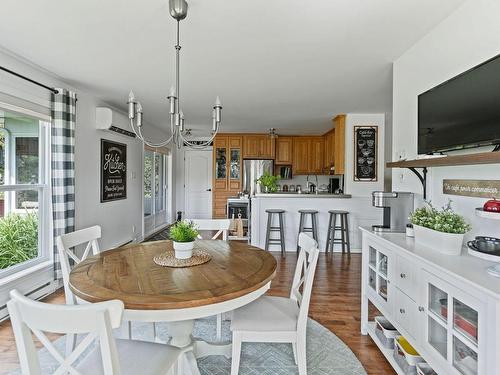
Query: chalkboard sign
(365, 153)
(113, 171)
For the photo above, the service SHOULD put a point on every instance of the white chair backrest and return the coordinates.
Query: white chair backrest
(96, 320)
(219, 225)
(304, 277)
(66, 242)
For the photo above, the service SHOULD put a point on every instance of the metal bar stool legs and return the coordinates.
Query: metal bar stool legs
(302, 224)
(280, 229)
(333, 228)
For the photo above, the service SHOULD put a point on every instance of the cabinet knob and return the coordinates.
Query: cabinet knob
(403, 275)
(421, 308)
(402, 311)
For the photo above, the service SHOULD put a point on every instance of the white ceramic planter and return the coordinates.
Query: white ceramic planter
(445, 243)
(183, 250)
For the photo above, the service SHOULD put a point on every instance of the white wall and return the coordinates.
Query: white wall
(361, 188)
(116, 218)
(466, 38)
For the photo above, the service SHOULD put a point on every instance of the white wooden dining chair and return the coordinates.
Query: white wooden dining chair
(96, 320)
(65, 244)
(222, 228)
(279, 319)
(219, 225)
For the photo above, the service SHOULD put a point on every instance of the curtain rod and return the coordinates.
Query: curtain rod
(29, 80)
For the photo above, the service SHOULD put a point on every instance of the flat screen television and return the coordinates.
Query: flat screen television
(461, 112)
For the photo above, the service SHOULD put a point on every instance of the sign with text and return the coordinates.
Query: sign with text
(365, 153)
(472, 188)
(113, 171)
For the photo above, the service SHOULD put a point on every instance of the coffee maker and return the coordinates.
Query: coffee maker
(397, 208)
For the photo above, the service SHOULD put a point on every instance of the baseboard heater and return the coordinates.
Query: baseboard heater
(4, 314)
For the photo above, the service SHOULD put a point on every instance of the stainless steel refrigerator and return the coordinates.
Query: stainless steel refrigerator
(252, 170)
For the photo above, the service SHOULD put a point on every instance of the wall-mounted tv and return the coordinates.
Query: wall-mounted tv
(461, 112)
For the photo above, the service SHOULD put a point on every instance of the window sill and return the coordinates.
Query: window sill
(25, 272)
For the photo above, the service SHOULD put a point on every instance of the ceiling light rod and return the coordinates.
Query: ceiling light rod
(178, 10)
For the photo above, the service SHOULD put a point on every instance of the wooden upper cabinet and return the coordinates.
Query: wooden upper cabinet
(316, 155)
(339, 148)
(284, 147)
(329, 150)
(258, 146)
(300, 161)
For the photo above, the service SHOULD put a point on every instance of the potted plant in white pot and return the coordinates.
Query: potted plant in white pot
(183, 234)
(442, 230)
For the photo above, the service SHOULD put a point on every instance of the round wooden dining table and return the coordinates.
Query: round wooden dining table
(236, 275)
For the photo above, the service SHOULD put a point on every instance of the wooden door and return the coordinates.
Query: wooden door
(300, 162)
(284, 146)
(266, 147)
(316, 155)
(329, 150)
(220, 163)
(339, 152)
(251, 146)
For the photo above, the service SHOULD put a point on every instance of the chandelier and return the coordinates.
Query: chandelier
(178, 10)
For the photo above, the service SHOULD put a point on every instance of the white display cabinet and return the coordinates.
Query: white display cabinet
(447, 307)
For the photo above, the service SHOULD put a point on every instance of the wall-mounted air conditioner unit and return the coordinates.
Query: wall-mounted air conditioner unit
(111, 120)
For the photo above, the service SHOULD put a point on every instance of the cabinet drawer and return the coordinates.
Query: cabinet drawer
(406, 313)
(405, 276)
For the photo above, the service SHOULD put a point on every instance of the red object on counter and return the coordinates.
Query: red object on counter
(493, 205)
(461, 322)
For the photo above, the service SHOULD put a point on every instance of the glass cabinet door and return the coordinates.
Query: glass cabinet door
(378, 265)
(235, 164)
(452, 325)
(220, 163)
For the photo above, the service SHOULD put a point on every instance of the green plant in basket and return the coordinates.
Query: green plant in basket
(444, 220)
(269, 181)
(183, 231)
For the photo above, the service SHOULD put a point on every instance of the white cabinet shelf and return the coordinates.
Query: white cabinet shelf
(446, 307)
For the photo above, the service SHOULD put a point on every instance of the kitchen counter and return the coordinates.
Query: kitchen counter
(302, 195)
(361, 213)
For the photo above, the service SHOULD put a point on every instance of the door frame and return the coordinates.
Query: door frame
(210, 183)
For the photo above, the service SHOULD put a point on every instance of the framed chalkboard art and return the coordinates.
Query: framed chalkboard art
(113, 171)
(365, 153)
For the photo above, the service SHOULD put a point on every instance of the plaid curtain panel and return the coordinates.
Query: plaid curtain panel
(62, 167)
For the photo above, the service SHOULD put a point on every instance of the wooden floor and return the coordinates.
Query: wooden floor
(335, 304)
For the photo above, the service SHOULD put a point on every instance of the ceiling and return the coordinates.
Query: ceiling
(287, 64)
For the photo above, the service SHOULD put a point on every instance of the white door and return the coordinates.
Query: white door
(198, 184)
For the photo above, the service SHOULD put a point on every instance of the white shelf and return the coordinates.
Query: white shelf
(487, 215)
(388, 353)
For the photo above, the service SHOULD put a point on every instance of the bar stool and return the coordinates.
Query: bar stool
(279, 229)
(302, 222)
(333, 228)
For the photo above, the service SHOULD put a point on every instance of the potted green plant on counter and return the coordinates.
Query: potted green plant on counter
(183, 234)
(442, 230)
(269, 182)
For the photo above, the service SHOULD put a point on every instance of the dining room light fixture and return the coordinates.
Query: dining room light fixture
(178, 11)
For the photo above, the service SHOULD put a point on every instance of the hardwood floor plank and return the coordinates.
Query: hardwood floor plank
(335, 303)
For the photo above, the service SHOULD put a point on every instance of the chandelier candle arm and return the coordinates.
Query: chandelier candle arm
(178, 10)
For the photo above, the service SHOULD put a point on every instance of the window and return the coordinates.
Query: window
(24, 192)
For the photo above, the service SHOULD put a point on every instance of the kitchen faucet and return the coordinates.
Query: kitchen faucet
(309, 183)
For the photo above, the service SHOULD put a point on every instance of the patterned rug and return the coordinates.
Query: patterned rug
(326, 353)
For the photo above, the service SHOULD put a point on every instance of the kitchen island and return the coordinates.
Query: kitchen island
(361, 213)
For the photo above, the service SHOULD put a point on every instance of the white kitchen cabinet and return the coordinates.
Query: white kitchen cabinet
(447, 307)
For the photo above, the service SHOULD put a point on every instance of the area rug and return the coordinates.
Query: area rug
(326, 353)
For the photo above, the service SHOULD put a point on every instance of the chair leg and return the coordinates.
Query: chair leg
(129, 330)
(294, 348)
(301, 356)
(342, 233)
(282, 235)
(268, 230)
(301, 225)
(235, 360)
(328, 236)
(348, 242)
(70, 343)
(155, 337)
(219, 327)
(333, 233)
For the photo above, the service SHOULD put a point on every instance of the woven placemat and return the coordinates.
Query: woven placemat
(168, 259)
